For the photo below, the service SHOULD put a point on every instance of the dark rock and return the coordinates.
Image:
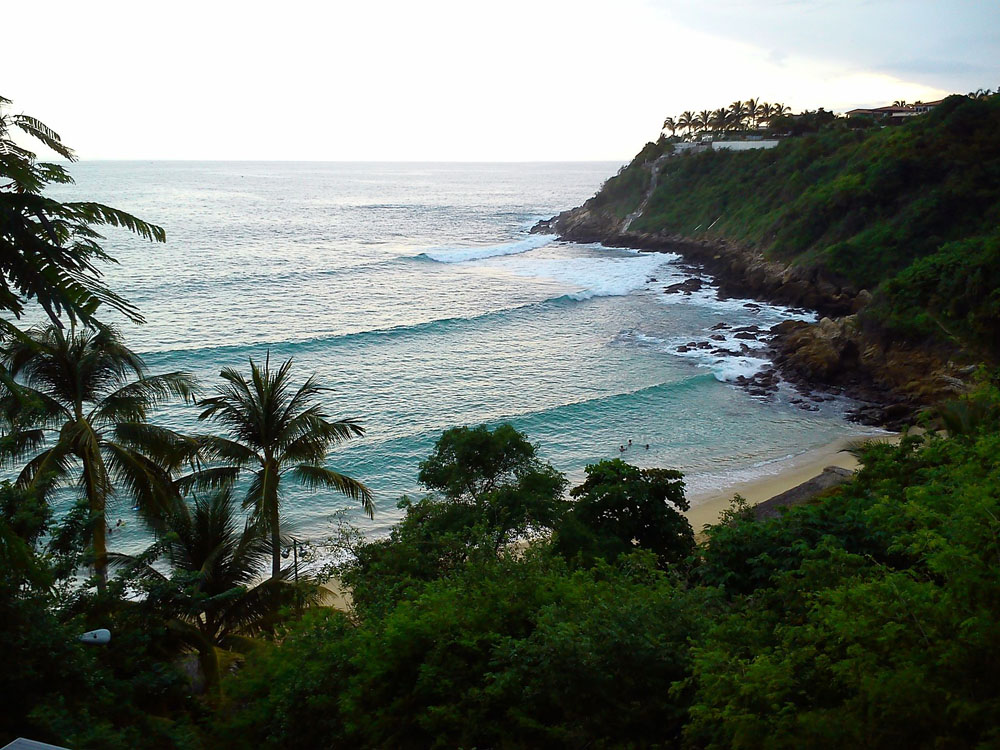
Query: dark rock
(717, 337)
(687, 286)
(719, 326)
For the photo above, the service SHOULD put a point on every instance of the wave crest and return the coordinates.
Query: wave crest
(465, 254)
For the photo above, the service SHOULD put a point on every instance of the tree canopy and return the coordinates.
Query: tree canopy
(50, 251)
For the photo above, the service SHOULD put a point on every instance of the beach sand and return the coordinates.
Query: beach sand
(705, 509)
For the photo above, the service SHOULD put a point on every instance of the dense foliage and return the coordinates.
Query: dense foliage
(908, 212)
(866, 619)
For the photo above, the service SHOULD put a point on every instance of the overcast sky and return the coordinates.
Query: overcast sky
(513, 80)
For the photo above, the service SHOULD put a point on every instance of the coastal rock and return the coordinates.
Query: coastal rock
(892, 379)
(687, 286)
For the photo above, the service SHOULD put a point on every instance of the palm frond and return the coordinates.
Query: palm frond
(134, 401)
(142, 479)
(42, 132)
(170, 449)
(46, 471)
(97, 213)
(318, 476)
(215, 477)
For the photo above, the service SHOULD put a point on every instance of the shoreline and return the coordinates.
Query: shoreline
(707, 507)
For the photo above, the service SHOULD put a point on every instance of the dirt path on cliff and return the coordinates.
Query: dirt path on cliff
(654, 174)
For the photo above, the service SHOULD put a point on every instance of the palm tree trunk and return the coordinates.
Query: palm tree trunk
(270, 496)
(95, 499)
(275, 542)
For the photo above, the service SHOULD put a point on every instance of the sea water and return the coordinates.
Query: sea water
(416, 293)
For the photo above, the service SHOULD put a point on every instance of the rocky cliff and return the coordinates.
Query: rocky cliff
(840, 353)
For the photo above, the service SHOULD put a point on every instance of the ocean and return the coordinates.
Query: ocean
(416, 293)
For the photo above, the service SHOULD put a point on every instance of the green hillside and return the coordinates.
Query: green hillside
(911, 213)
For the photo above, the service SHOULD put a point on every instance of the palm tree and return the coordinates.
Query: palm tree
(49, 250)
(751, 111)
(273, 432)
(686, 120)
(737, 113)
(87, 396)
(762, 113)
(720, 119)
(210, 595)
(704, 119)
(777, 110)
(670, 124)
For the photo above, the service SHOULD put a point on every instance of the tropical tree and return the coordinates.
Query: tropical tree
(50, 251)
(705, 119)
(670, 124)
(686, 120)
(737, 114)
(720, 120)
(620, 507)
(751, 111)
(777, 110)
(273, 432)
(211, 593)
(86, 396)
(762, 113)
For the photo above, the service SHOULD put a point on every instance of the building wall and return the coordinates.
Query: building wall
(744, 145)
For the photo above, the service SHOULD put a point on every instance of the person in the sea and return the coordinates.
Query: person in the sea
(647, 446)
(630, 442)
(621, 448)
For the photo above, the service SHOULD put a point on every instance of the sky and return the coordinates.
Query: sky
(518, 80)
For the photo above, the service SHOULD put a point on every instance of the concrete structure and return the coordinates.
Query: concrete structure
(691, 148)
(744, 145)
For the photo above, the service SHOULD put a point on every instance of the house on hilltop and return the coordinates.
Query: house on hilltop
(894, 113)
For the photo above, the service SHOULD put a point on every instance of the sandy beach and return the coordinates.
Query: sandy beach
(705, 509)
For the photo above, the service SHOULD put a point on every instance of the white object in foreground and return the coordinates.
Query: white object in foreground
(99, 637)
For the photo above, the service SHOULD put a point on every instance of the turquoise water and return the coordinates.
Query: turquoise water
(416, 293)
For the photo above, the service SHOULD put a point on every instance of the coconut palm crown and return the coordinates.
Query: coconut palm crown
(213, 592)
(82, 398)
(274, 431)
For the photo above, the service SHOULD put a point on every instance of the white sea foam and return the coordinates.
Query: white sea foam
(591, 276)
(465, 254)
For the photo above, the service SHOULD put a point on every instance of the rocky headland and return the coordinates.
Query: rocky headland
(838, 355)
